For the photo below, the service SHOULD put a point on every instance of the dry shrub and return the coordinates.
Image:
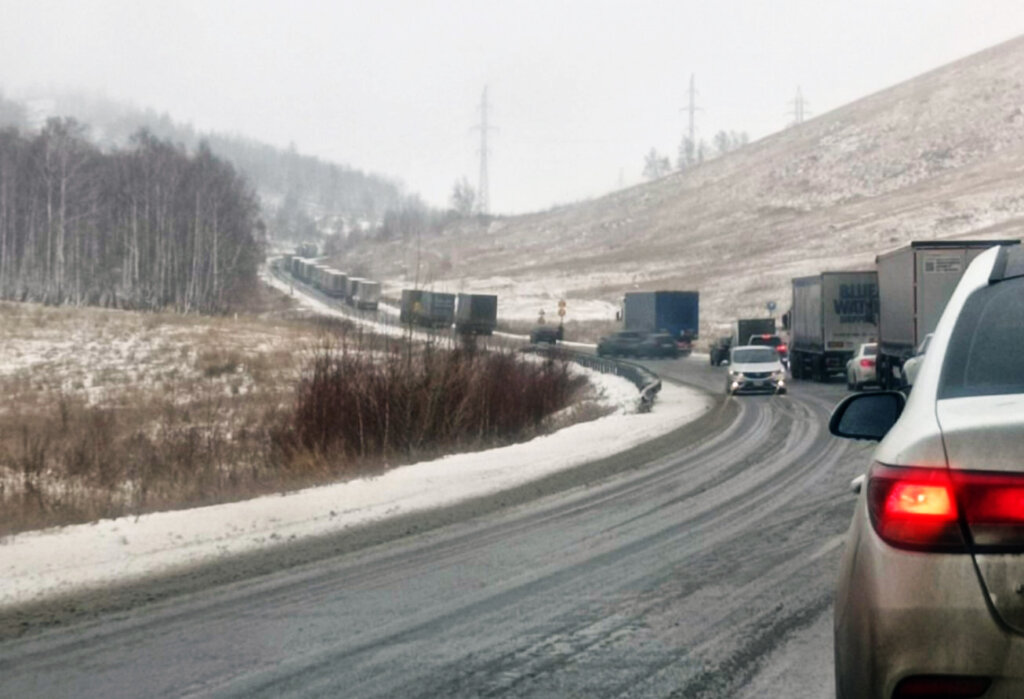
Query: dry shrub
(357, 406)
(353, 404)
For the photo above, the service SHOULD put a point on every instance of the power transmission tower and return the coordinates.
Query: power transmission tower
(799, 111)
(483, 193)
(688, 149)
(692, 107)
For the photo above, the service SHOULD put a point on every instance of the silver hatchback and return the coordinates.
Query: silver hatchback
(930, 597)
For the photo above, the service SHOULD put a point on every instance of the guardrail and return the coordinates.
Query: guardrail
(646, 381)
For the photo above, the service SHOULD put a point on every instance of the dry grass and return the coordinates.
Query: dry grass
(107, 413)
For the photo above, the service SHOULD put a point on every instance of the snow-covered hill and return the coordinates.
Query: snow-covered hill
(939, 156)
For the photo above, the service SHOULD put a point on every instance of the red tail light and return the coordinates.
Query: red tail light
(993, 505)
(927, 508)
(914, 508)
(781, 348)
(867, 362)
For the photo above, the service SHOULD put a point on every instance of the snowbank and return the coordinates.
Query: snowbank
(38, 565)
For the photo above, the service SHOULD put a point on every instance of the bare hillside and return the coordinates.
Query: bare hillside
(939, 156)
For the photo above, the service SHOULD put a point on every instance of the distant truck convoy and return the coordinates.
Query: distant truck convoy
(745, 328)
(674, 312)
(914, 285)
(833, 313)
(476, 314)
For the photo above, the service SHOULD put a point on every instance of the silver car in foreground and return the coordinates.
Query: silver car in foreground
(930, 597)
(755, 368)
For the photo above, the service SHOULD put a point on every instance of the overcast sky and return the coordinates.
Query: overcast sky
(579, 90)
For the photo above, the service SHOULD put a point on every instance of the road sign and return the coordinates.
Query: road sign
(561, 311)
(771, 306)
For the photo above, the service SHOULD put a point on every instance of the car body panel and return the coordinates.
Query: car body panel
(879, 624)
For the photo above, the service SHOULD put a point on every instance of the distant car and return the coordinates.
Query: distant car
(912, 365)
(546, 334)
(930, 594)
(753, 368)
(624, 343)
(860, 370)
(719, 351)
(772, 341)
(658, 345)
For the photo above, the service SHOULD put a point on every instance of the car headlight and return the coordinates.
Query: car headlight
(735, 374)
(778, 375)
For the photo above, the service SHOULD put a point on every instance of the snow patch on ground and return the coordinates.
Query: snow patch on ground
(41, 564)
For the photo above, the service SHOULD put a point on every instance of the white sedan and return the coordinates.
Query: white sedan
(911, 366)
(861, 369)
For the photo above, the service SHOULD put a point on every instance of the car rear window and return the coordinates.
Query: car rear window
(985, 354)
(870, 350)
(754, 356)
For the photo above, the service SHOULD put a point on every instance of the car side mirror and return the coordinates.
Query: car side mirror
(724, 362)
(867, 415)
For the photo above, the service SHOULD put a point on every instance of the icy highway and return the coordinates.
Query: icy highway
(701, 565)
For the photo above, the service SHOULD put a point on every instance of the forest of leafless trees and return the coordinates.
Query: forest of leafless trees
(146, 226)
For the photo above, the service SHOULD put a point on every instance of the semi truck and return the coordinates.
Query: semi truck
(914, 285)
(674, 312)
(476, 314)
(833, 313)
(431, 309)
(366, 295)
(337, 283)
(745, 328)
(411, 298)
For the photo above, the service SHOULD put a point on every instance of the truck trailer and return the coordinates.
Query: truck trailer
(476, 314)
(833, 313)
(366, 295)
(746, 328)
(674, 312)
(914, 285)
(429, 309)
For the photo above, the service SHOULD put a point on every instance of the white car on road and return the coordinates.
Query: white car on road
(861, 369)
(755, 368)
(912, 365)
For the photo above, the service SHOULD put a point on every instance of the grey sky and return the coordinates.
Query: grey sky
(580, 90)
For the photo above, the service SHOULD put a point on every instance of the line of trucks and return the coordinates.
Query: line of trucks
(468, 314)
(895, 305)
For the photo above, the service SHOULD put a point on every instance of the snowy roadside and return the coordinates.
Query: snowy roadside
(42, 564)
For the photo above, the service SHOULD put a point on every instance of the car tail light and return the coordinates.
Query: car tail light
(993, 507)
(782, 349)
(928, 508)
(915, 508)
(867, 363)
(951, 686)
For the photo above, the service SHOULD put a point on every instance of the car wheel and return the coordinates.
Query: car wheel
(782, 391)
